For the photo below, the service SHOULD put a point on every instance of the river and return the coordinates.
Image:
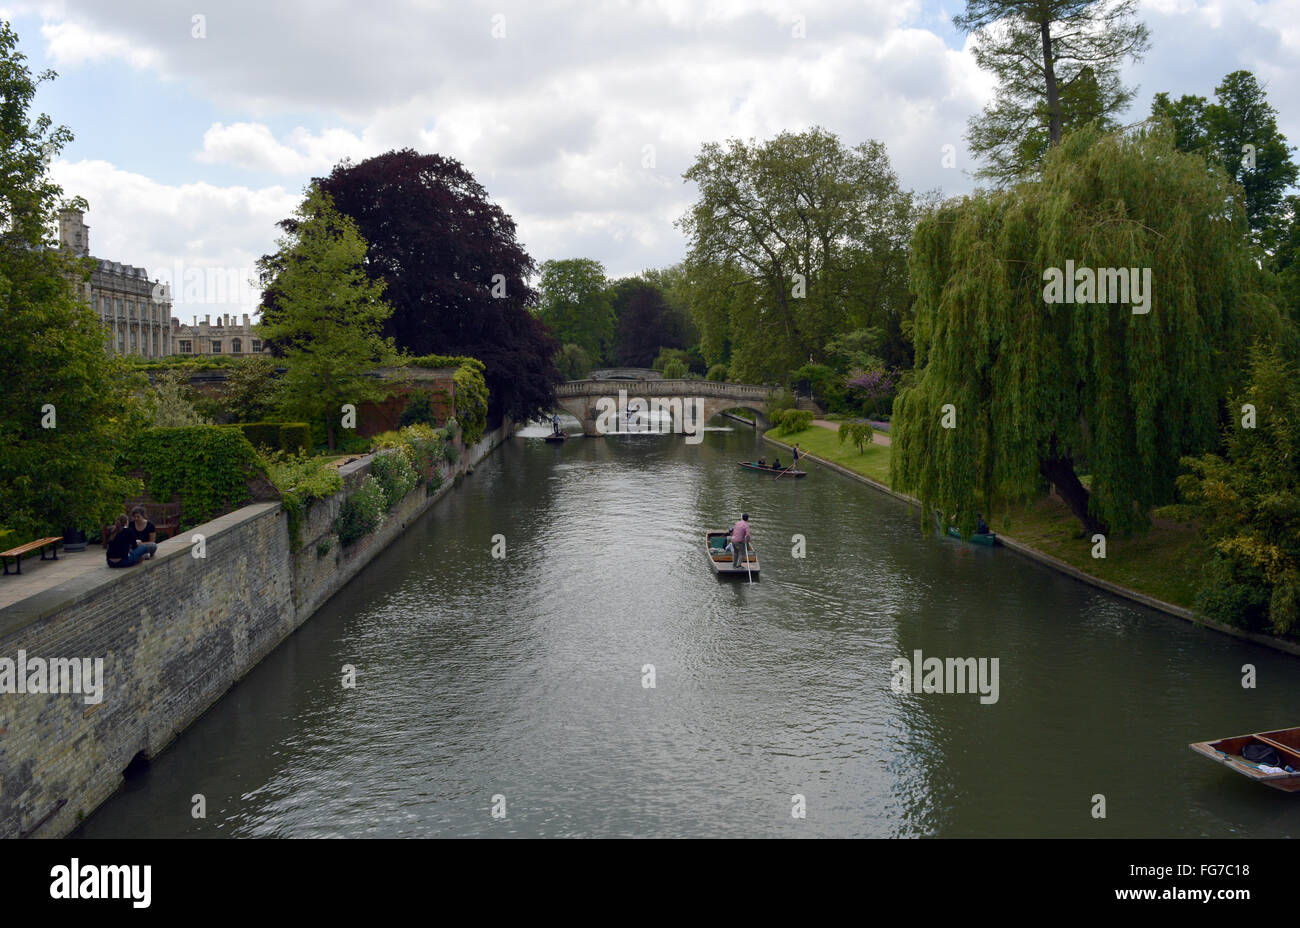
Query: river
(517, 685)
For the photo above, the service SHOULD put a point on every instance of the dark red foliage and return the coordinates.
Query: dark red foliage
(437, 240)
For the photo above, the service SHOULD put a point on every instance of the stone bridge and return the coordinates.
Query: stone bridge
(581, 398)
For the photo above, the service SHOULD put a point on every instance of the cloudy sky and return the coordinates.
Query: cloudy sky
(197, 129)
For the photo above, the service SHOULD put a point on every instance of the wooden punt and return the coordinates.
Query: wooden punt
(720, 560)
(557, 436)
(769, 469)
(1227, 751)
(987, 539)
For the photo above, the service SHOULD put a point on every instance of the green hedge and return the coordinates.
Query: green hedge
(209, 466)
(290, 437)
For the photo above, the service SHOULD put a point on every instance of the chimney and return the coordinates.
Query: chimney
(245, 320)
(74, 234)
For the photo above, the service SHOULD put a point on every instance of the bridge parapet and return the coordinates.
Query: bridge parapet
(581, 398)
(712, 388)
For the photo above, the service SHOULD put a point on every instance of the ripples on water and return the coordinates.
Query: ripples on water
(522, 677)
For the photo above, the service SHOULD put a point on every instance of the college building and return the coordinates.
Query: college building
(136, 312)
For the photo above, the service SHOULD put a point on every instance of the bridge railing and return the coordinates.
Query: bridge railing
(712, 388)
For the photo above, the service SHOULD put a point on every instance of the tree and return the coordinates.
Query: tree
(328, 314)
(68, 410)
(1238, 133)
(1057, 64)
(574, 362)
(793, 240)
(1284, 263)
(1248, 502)
(172, 403)
(645, 323)
(1016, 389)
(251, 390)
(575, 304)
(455, 274)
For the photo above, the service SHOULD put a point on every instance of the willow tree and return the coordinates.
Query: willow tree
(1015, 392)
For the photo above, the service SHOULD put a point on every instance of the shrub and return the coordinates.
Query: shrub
(419, 410)
(173, 401)
(471, 400)
(717, 373)
(208, 465)
(425, 446)
(362, 511)
(301, 481)
(794, 420)
(395, 474)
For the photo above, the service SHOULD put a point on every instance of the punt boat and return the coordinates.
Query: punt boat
(720, 559)
(769, 469)
(557, 436)
(1229, 752)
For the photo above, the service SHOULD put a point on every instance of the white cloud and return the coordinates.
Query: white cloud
(186, 227)
(554, 118)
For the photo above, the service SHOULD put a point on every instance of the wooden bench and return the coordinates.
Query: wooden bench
(50, 544)
(166, 518)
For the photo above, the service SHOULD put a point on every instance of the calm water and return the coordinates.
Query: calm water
(523, 677)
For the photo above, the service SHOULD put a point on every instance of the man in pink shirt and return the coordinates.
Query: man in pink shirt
(740, 540)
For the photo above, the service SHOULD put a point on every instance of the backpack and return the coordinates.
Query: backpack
(1261, 754)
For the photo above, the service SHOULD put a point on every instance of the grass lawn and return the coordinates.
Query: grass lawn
(1163, 563)
(873, 462)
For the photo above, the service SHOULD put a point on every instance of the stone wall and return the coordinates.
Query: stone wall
(175, 634)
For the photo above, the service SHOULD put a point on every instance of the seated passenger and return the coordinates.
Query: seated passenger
(981, 527)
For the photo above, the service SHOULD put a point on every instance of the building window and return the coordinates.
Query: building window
(133, 341)
(257, 346)
(121, 348)
(236, 346)
(185, 346)
(117, 308)
(216, 346)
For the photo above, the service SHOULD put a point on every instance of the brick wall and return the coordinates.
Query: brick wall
(175, 634)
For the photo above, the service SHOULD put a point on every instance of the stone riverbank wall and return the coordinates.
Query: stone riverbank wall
(174, 634)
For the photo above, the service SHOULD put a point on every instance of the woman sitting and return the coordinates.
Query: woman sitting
(124, 546)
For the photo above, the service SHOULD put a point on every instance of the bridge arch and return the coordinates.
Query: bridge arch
(581, 398)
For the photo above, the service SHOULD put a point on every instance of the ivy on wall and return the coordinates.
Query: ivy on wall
(208, 466)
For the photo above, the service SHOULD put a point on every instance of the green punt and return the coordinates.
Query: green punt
(988, 540)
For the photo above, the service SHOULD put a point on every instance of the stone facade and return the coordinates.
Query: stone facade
(175, 634)
(226, 336)
(122, 295)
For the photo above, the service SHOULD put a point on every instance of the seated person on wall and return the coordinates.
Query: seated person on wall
(124, 546)
(145, 531)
